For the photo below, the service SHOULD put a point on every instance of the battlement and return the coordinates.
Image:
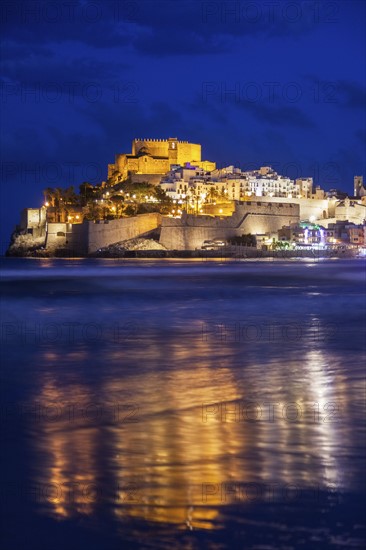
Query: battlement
(159, 140)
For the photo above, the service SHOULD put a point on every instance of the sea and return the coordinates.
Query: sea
(183, 404)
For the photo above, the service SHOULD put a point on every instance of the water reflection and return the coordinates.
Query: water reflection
(178, 443)
(67, 449)
(182, 398)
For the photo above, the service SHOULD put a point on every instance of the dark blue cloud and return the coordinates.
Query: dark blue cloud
(353, 94)
(160, 27)
(280, 115)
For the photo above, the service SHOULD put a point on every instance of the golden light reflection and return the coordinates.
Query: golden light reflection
(328, 405)
(151, 451)
(68, 469)
(179, 459)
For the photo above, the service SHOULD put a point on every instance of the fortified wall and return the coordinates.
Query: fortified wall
(88, 237)
(176, 150)
(317, 208)
(189, 231)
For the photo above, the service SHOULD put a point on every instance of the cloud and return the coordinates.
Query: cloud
(275, 114)
(120, 123)
(180, 42)
(14, 52)
(344, 93)
(92, 23)
(353, 94)
(53, 69)
(49, 74)
(280, 115)
(153, 28)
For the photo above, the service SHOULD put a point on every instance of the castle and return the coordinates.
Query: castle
(207, 204)
(152, 158)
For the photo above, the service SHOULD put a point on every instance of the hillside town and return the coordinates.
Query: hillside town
(164, 192)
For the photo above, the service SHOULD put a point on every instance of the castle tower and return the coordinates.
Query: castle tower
(173, 150)
(359, 189)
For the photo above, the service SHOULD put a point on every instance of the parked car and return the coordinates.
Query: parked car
(213, 244)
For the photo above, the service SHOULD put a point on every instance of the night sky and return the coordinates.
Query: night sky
(256, 83)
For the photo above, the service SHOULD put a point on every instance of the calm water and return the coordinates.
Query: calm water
(183, 404)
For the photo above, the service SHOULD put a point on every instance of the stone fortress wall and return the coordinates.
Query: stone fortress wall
(86, 238)
(256, 217)
(102, 234)
(317, 208)
(143, 165)
(186, 233)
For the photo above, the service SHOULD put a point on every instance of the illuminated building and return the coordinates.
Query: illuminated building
(359, 188)
(153, 158)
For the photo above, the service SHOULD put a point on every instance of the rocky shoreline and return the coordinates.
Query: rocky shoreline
(26, 246)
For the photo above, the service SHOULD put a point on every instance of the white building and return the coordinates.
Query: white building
(233, 184)
(264, 182)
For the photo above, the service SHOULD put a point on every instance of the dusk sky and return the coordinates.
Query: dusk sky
(256, 83)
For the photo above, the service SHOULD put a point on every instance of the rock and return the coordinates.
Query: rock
(125, 248)
(25, 245)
